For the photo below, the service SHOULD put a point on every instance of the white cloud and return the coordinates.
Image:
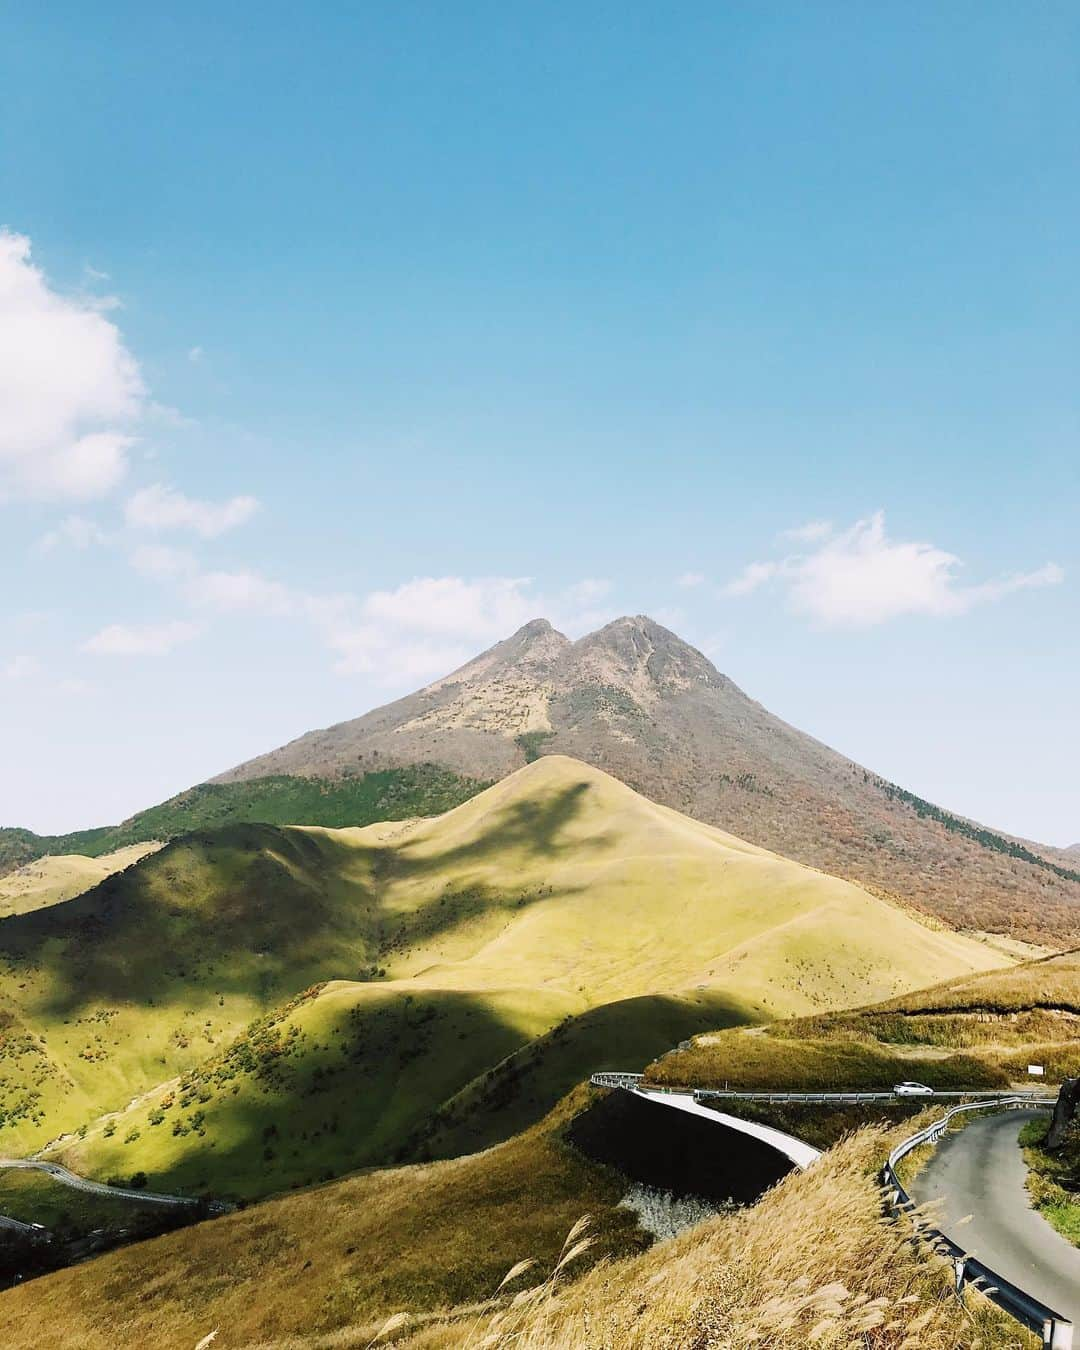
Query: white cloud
(164, 508)
(367, 649)
(587, 592)
(752, 576)
(481, 609)
(20, 667)
(121, 639)
(157, 560)
(69, 389)
(810, 533)
(243, 592)
(1050, 574)
(688, 580)
(72, 687)
(861, 577)
(423, 627)
(76, 532)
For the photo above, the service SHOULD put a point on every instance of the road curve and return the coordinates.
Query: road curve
(980, 1171)
(23, 1229)
(800, 1153)
(78, 1183)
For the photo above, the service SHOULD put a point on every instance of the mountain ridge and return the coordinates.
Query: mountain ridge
(307, 975)
(637, 701)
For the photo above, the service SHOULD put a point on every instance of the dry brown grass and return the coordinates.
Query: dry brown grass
(327, 1266)
(979, 1031)
(815, 1263)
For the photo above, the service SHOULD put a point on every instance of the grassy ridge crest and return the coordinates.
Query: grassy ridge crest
(280, 799)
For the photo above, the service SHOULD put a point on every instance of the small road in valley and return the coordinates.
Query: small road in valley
(980, 1171)
(72, 1179)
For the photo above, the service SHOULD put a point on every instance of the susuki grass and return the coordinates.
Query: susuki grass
(815, 1264)
(329, 1265)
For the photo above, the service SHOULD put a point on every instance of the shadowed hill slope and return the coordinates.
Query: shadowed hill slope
(392, 968)
(636, 701)
(352, 799)
(49, 879)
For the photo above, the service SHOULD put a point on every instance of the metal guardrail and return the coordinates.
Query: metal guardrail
(1055, 1329)
(636, 1080)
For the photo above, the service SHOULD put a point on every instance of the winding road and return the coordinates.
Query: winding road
(78, 1183)
(980, 1171)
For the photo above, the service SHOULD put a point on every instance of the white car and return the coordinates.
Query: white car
(913, 1090)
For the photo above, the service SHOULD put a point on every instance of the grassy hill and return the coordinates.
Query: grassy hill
(323, 998)
(355, 799)
(977, 1031)
(813, 1262)
(417, 1238)
(49, 879)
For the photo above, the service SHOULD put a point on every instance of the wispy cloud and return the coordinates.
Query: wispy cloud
(77, 532)
(689, 580)
(860, 577)
(423, 627)
(121, 639)
(810, 533)
(20, 667)
(164, 508)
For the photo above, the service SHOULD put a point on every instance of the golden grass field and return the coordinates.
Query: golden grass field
(455, 972)
(553, 895)
(814, 1263)
(975, 1031)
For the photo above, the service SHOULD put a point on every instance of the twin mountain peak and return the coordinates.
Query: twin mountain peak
(635, 700)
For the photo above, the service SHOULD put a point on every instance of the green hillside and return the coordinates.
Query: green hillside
(981, 1030)
(390, 794)
(326, 998)
(62, 876)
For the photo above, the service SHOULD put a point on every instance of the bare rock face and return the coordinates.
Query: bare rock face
(1066, 1109)
(637, 701)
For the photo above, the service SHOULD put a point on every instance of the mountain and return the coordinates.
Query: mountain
(558, 917)
(414, 790)
(636, 701)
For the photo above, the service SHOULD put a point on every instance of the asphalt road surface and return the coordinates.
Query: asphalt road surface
(78, 1183)
(980, 1171)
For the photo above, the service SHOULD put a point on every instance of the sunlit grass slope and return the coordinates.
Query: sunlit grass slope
(158, 967)
(976, 1031)
(48, 880)
(448, 943)
(581, 883)
(420, 1238)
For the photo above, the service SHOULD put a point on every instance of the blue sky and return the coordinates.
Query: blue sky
(337, 341)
